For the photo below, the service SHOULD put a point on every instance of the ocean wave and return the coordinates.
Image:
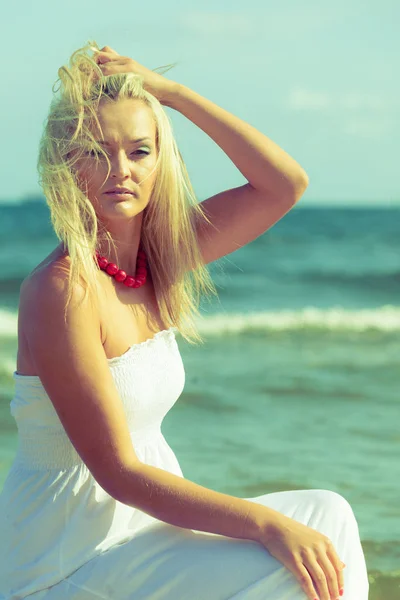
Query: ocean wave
(8, 323)
(383, 318)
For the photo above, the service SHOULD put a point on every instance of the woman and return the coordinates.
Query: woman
(95, 504)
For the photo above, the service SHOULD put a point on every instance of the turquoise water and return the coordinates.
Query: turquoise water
(297, 384)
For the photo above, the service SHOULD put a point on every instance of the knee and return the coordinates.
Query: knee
(335, 503)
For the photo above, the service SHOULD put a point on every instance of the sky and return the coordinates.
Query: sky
(321, 79)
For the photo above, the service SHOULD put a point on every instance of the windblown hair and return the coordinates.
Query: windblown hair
(168, 233)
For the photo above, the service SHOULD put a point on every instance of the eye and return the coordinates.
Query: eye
(92, 152)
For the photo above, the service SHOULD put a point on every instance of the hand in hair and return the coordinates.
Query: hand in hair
(111, 62)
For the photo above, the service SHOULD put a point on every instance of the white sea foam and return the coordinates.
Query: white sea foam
(8, 323)
(383, 318)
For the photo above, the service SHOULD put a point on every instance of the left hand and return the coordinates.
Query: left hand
(111, 62)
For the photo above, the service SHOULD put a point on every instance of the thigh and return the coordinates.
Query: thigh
(165, 562)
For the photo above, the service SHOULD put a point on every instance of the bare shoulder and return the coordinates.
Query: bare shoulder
(44, 289)
(46, 279)
(68, 356)
(36, 285)
(43, 306)
(52, 271)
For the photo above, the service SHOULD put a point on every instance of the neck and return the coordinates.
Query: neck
(126, 235)
(124, 259)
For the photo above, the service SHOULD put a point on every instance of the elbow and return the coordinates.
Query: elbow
(299, 187)
(305, 179)
(123, 483)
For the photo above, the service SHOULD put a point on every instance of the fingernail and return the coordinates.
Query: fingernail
(341, 591)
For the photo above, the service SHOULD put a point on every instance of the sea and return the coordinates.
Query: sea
(297, 385)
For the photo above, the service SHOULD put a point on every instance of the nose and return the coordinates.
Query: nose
(119, 166)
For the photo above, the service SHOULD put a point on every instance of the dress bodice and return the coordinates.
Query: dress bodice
(149, 377)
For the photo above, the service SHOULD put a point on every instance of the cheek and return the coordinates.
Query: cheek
(144, 175)
(150, 181)
(94, 177)
(89, 182)
(152, 172)
(81, 180)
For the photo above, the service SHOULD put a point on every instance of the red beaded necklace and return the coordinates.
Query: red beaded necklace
(119, 275)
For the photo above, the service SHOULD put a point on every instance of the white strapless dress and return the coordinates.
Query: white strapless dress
(63, 537)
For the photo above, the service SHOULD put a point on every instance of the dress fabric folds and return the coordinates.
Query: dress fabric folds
(63, 537)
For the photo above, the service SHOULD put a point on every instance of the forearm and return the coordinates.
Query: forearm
(262, 162)
(183, 503)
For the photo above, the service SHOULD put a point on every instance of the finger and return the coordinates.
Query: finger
(112, 69)
(305, 580)
(319, 579)
(330, 574)
(109, 49)
(113, 66)
(338, 566)
(102, 57)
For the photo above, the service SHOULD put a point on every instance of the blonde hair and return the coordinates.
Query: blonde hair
(168, 233)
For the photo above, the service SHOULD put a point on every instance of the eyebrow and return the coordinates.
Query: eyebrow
(104, 143)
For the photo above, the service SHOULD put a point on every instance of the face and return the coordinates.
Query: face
(132, 162)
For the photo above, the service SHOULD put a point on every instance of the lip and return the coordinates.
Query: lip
(119, 193)
(119, 190)
(123, 196)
